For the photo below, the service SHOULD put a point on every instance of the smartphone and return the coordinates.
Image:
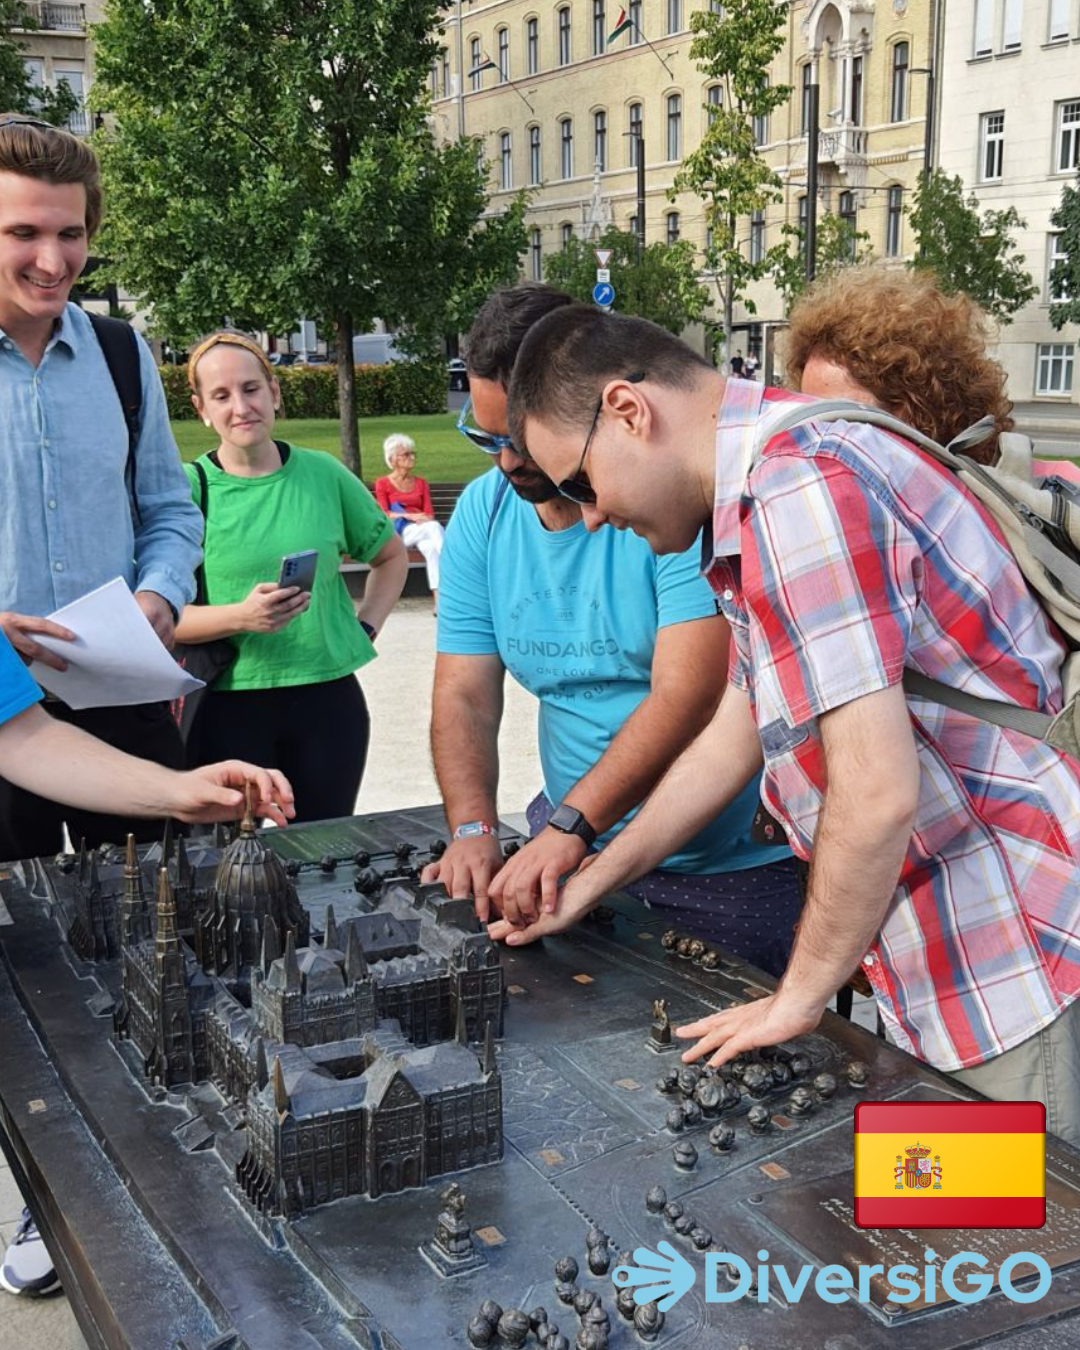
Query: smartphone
(298, 569)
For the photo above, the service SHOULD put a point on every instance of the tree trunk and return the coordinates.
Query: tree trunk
(346, 383)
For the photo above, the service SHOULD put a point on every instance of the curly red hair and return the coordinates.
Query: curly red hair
(917, 352)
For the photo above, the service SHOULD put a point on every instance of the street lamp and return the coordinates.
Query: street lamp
(928, 141)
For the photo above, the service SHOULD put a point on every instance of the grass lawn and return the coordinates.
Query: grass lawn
(442, 454)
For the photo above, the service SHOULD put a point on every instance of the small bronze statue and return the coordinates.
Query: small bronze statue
(451, 1251)
(660, 1032)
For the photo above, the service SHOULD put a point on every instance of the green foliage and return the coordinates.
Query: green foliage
(272, 160)
(408, 387)
(839, 245)
(18, 93)
(734, 48)
(968, 252)
(1065, 278)
(662, 286)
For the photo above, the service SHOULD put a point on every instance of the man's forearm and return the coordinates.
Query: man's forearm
(465, 751)
(705, 779)
(59, 761)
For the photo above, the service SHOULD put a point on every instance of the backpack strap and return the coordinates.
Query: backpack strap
(120, 347)
(201, 596)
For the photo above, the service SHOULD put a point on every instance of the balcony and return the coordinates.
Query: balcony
(845, 147)
(48, 17)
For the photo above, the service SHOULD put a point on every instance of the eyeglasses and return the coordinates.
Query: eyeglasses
(577, 487)
(488, 441)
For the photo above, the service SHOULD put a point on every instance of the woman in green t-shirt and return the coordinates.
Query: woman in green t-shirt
(290, 697)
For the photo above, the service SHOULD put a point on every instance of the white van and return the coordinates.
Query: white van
(375, 349)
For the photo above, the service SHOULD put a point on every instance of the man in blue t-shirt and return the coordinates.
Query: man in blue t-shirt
(626, 653)
(64, 764)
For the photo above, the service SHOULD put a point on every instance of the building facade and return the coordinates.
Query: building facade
(1010, 128)
(560, 111)
(57, 50)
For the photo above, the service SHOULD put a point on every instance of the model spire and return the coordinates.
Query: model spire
(330, 938)
(356, 967)
(270, 949)
(281, 1095)
(247, 824)
(262, 1072)
(292, 966)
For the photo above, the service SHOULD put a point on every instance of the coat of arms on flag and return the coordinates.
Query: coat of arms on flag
(955, 1180)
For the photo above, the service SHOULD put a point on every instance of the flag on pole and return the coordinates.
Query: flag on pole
(950, 1164)
(486, 63)
(622, 24)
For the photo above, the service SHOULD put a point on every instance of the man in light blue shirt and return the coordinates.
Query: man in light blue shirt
(624, 652)
(73, 519)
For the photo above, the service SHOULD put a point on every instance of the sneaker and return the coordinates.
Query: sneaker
(28, 1267)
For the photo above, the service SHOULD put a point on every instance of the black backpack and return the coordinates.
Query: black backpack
(120, 347)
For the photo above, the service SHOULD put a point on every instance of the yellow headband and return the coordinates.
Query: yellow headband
(226, 340)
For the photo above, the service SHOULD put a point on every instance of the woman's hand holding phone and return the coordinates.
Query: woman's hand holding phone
(269, 607)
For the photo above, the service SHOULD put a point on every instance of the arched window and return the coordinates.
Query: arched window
(636, 128)
(714, 98)
(532, 46)
(757, 237)
(564, 35)
(503, 37)
(804, 111)
(476, 78)
(673, 227)
(566, 233)
(674, 16)
(599, 28)
(893, 220)
(535, 173)
(566, 147)
(898, 110)
(847, 213)
(536, 256)
(506, 166)
(674, 126)
(600, 139)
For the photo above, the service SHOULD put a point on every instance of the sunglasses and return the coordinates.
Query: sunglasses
(488, 441)
(577, 487)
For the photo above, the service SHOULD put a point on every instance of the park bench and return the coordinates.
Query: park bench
(443, 498)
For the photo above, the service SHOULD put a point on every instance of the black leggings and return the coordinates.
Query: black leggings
(316, 734)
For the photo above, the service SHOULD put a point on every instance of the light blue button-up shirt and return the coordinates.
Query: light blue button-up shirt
(66, 523)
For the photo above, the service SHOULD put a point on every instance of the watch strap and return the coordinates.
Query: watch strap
(569, 820)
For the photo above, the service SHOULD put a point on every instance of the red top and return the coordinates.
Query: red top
(418, 498)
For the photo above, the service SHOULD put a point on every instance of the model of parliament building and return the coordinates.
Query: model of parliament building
(348, 1062)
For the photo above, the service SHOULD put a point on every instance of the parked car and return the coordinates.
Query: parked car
(457, 374)
(282, 358)
(312, 359)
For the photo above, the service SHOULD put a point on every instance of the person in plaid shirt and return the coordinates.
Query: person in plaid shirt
(945, 852)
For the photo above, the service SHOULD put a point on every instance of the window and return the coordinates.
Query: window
(1068, 136)
(536, 256)
(79, 121)
(1059, 20)
(847, 213)
(674, 126)
(983, 43)
(714, 98)
(599, 28)
(600, 139)
(855, 112)
(759, 124)
(673, 227)
(1054, 368)
(807, 79)
(674, 16)
(637, 134)
(503, 36)
(445, 61)
(634, 14)
(991, 146)
(893, 220)
(476, 78)
(564, 36)
(1011, 24)
(35, 73)
(434, 79)
(566, 232)
(1056, 290)
(757, 237)
(532, 46)
(900, 53)
(506, 167)
(535, 173)
(566, 147)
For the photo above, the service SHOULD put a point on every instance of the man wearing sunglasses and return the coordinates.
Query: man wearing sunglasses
(626, 654)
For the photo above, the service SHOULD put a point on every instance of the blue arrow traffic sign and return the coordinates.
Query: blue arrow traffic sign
(603, 293)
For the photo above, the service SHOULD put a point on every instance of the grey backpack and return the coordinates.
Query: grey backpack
(1040, 518)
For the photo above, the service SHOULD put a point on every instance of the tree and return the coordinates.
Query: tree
(968, 252)
(18, 92)
(839, 245)
(662, 285)
(734, 48)
(272, 160)
(1065, 278)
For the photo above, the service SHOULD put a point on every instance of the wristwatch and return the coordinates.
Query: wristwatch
(369, 630)
(569, 820)
(471, 828)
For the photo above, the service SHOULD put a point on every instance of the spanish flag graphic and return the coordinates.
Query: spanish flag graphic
(950, 1164)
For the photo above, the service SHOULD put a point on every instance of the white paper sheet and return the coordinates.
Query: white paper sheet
(116, 659)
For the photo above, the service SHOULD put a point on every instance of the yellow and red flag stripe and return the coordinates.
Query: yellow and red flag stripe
(950, 1164)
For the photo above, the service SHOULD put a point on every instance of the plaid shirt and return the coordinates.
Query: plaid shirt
(844, 556)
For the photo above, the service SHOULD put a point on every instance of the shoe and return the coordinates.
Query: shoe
(28, 1267)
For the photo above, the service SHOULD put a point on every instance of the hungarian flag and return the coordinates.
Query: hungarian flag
(485, 63)
(950, 1164)
(622, 24)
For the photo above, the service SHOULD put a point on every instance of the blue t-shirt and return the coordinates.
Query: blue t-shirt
(574, 618)
(17, 690)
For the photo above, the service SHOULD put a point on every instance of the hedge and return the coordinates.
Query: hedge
(311, 391)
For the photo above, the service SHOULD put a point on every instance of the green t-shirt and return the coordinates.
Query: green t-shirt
(312, 501)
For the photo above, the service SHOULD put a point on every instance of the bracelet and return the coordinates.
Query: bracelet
(369, 630)
(472, 828)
